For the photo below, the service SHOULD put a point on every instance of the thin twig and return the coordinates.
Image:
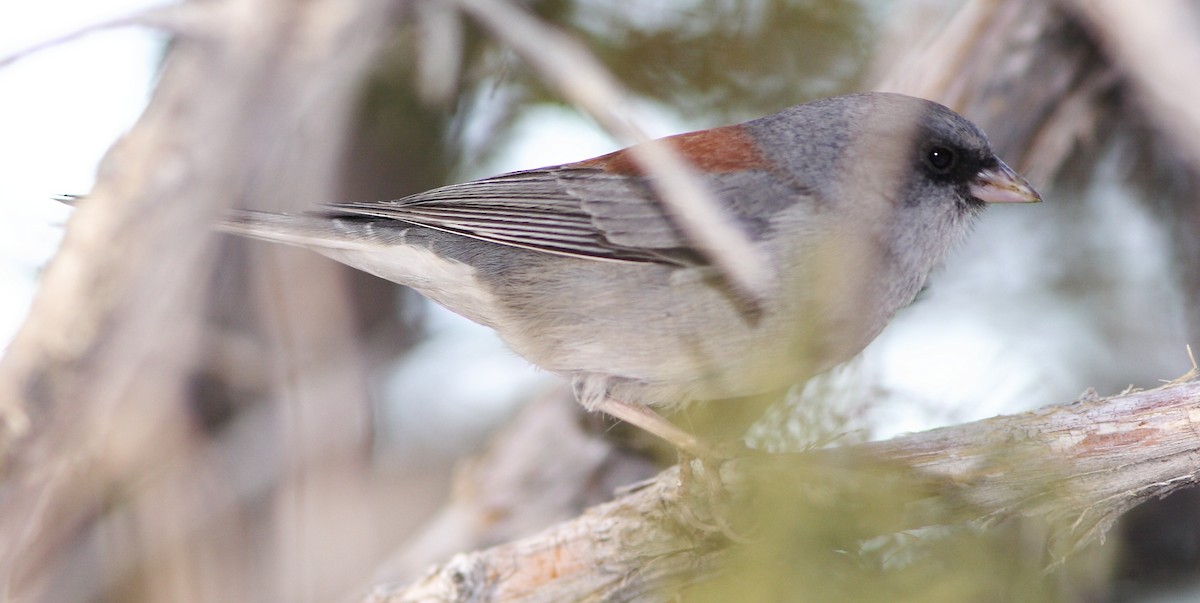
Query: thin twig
(178, 19)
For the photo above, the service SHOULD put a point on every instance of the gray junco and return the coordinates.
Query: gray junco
(851, 199)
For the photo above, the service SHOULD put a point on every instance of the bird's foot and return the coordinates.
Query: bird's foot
(706, 501)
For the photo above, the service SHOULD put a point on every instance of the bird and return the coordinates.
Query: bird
(851, 201)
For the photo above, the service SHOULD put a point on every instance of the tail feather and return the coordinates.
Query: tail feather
(302, 230)
(387, 252)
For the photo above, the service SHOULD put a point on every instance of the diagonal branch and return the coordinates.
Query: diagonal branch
(565, 63)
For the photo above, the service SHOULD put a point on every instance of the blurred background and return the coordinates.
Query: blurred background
(1095, 288)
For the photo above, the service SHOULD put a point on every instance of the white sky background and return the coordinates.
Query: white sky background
(986, 340)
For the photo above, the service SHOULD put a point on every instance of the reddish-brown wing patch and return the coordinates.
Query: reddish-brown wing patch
(727, 149)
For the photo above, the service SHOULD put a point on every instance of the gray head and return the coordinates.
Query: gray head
(893, 143)
(899, 181)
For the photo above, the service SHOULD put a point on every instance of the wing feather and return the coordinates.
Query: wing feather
(569, 210)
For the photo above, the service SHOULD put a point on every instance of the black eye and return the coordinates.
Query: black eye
(940, 159)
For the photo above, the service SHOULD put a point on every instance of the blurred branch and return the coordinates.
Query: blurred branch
(981, 62)
(94, 387)
(514, 488)
(1084, 463)
(178, 19)
(1159, 52)
(568, 65)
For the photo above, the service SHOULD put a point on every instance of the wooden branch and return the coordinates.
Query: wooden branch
(1085, 463)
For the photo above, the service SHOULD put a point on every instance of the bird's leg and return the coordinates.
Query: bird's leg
(592, 392)
(691, 449)
(641, 416)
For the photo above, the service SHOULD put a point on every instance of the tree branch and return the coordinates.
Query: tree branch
(1079, 465)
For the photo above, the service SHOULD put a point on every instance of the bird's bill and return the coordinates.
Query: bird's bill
(1000, 184)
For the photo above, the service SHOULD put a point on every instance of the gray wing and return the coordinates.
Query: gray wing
(577, 211)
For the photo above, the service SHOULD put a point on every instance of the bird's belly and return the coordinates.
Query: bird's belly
(670, 349)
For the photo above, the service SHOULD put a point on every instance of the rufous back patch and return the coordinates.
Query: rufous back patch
(725, 149)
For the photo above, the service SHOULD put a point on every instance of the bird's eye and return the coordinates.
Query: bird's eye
(940, 159)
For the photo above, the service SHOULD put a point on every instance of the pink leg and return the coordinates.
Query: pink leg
(643, 417)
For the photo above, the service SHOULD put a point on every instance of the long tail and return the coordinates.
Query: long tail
(387, 252)
(302, 230)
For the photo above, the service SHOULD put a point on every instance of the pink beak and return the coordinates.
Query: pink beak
(1000, 184)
